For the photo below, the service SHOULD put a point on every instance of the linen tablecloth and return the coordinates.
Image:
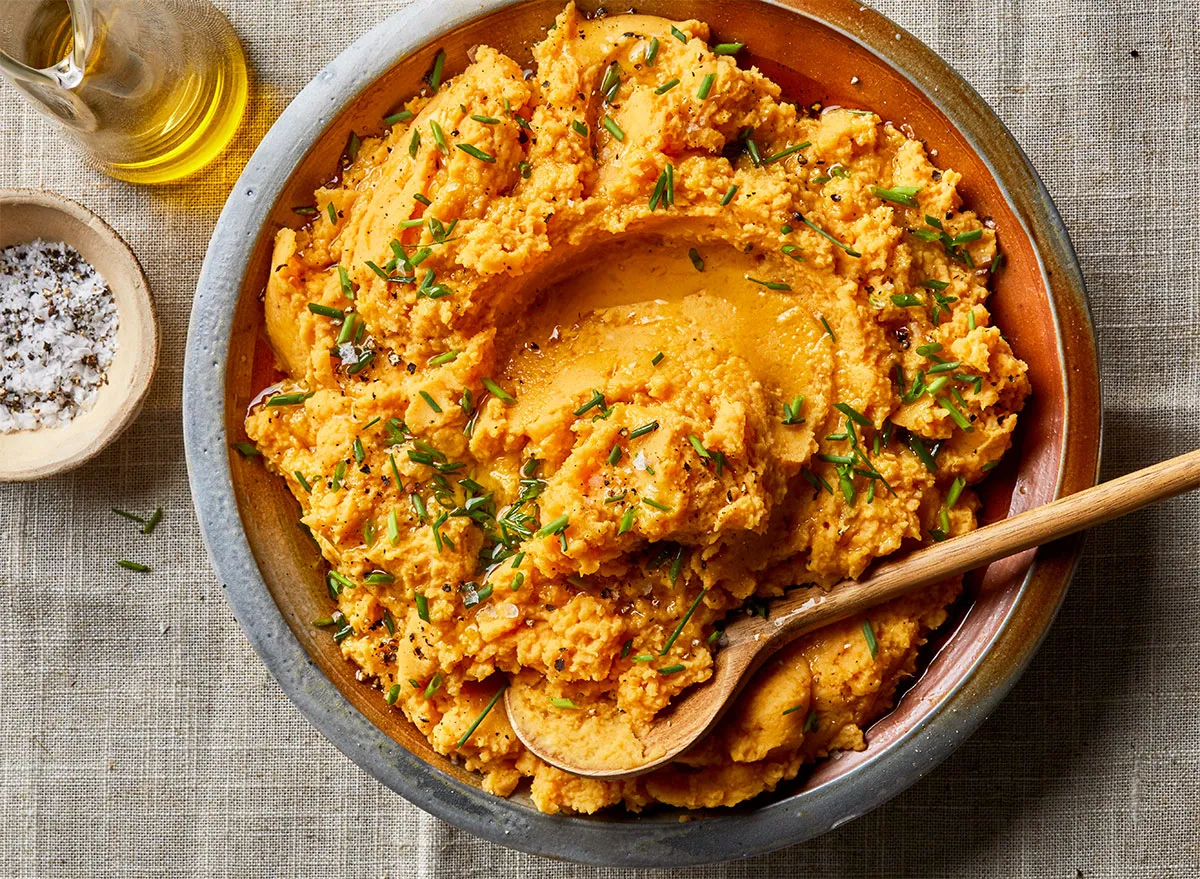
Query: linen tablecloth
(141, 736)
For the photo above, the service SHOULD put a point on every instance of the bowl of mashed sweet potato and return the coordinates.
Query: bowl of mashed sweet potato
(534, 350)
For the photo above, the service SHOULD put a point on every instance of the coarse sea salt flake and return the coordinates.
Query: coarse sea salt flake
(58, 335)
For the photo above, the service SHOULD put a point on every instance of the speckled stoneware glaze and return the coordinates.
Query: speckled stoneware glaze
(272, 573)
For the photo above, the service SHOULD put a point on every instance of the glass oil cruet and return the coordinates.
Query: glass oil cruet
(149, 90)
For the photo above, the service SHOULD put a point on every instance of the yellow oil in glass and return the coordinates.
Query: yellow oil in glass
(166, 132)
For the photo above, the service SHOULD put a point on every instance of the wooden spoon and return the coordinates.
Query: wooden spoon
(751, 639)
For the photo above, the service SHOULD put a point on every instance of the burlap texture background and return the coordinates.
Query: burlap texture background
(141, 736)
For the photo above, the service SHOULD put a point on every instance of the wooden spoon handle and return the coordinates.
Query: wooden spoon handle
(805, 612)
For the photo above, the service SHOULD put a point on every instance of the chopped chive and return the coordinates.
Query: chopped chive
(247, 450)
(838, 459)
(926, 350)
(152, 522)
(850, 251)
(324, 622)
(706, 85)
(907, 300)
(415, 144)
(478, 720)
(485, 120)
(418, 504)
(597, 399)
(402, 116)
(615, 455)
(783, 154)
(579, 128)
(616, 498)
(393, 528)
(671, 669)
(791, 411)
(683, 622)
(810, 722)
(948, 366)
(433, 686)
(971, 320)
(966, 237)
(379, 578)
(752, 149)
(658, 505)
(431, 402)
(499, 392)
(134, 566)
(305, 211)
(333, 216)
(326, 311)
(903, 195)
(669, 195)
(657, 359)
(922, 452)
(559, 702)
(611, 82)
(649, 427)
(368, 533)
(956, 490)
(853, 414)
(348, 327)
(472, 150)
(339, 473)
(441, 359)
(697, 261)
(439, 136)
(627, 521)
(667, 86)
(699, 446)
(526, 170)
(558, 526)
(676, 566)
(359, 452)
(422, 605)
(395, 470)
(613, 128)
(678, 34)
(932, 284)
(816, 481)
(288, 399)
(643, 657)
(435, 75)
(652, 51)
(793, 251)
(990, 466)
(304, 483)
(728, 48)
(352, 147)
(828, 328)
(729, 194)
(518, 581)
(791, 710)
(770, 285)
(955, 415)
(393, 694)
(869, 634)
(130, 516)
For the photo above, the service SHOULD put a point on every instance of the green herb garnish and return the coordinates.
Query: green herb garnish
(658, 505)
(678, 34)
(869, 634)
(478, 720)
(247, 450)
(472, 150)
(783, 154)
(559, 702)
(649, 427)
(850, 251)
(288, 399)
(770, 285)
(728, 48)
(613, 128)
(683, 622)
(903, 195)
(667, 86)
(402, 116)
(791, 411)
(499, 392)
(729, 194)
(134, 566)
(627, 521)
(580, 128)
(706, 85)
(332, 211)
(652, 51)
(326, 311)
(435, 75)
(671, 669)
(422, 606)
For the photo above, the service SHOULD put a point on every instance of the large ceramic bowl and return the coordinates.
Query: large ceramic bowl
(827, 51)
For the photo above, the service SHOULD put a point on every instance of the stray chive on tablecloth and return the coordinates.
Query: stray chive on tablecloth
(141, 736)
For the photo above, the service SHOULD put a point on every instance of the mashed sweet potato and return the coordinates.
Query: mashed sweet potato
(564, 350)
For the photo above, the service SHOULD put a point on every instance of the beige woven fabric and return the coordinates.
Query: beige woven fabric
(141, 736)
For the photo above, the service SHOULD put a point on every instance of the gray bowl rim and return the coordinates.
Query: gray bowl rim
(645, 841)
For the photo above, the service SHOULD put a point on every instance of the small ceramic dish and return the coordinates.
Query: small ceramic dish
(26, 215)
(827, 52)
